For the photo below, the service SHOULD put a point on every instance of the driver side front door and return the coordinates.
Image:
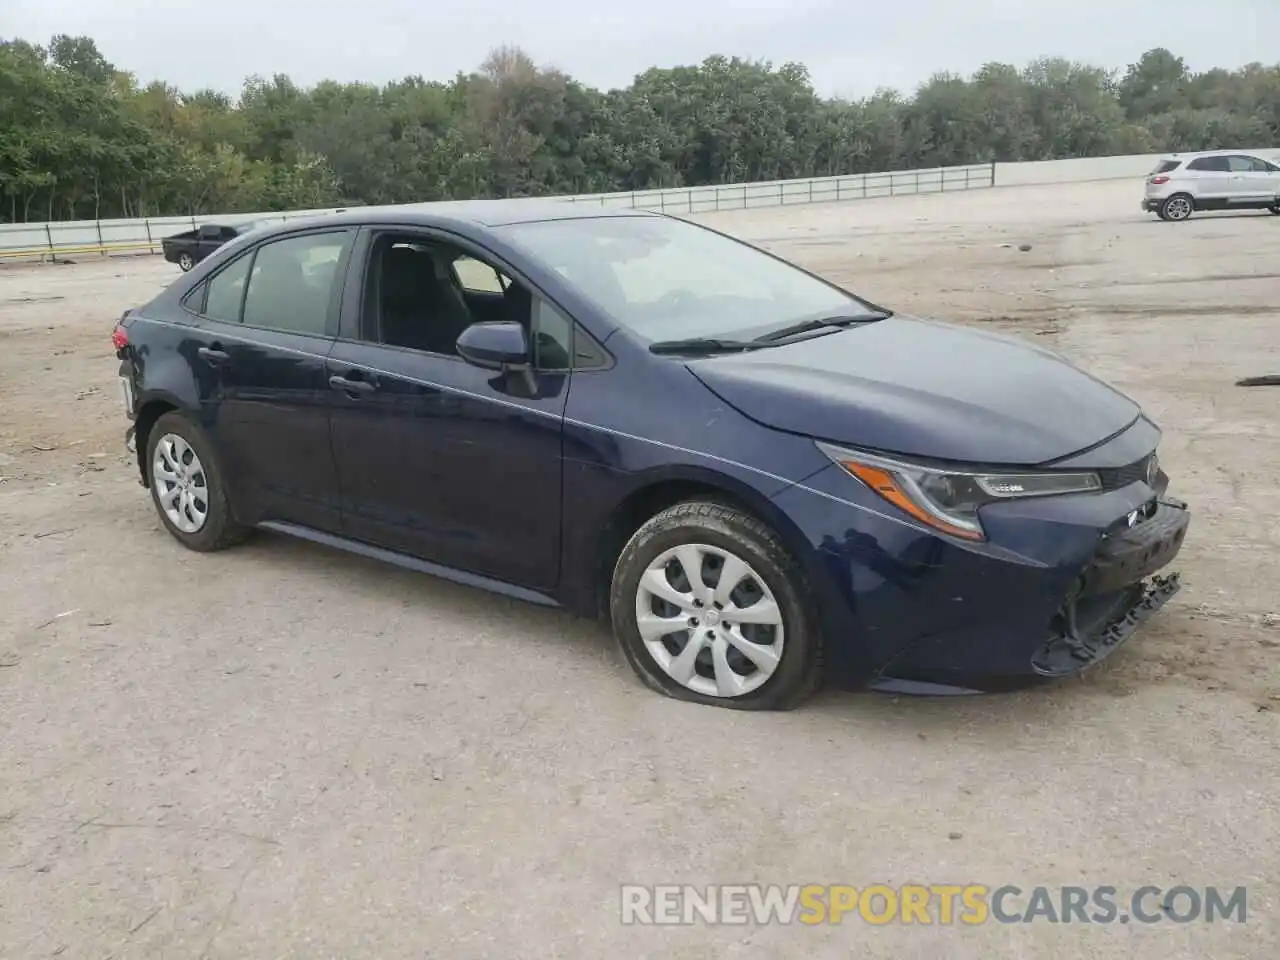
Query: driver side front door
(436, 458)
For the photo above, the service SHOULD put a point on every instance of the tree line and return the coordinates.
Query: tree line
(80, 139)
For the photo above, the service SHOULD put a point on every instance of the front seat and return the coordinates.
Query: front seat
(404, 317)
(448, 314)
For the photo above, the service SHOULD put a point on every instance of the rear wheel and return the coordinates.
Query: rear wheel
(186, 486)
(1275, 208)
(1177, 207)
(708, 606)
(185, 262)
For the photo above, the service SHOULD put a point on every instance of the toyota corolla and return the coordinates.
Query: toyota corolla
(760, 480)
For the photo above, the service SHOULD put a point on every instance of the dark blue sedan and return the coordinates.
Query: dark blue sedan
(760, 480)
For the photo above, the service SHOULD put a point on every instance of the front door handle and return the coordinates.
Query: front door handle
(213, 356)
(351, 386)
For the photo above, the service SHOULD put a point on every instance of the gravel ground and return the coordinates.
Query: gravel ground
(283, 751)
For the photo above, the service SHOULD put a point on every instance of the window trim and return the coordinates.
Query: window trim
(353, 329)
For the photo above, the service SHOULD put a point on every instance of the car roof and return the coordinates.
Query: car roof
(481, 213)
(1192, 154)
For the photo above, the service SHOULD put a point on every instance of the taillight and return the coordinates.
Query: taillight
(119, 337)
(1159, 180)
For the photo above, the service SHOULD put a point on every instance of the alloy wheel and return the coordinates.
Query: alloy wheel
(182, 488)
(1178, 208)
(709, 620)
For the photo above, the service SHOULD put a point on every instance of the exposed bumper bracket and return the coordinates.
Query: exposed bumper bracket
(1071, 650)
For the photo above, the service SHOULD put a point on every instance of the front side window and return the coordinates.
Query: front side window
(421, 293)
(667, 278)
(477, 277)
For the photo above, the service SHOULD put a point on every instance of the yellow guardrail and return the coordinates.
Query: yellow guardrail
(101, 248)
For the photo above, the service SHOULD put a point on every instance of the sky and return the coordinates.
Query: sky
(851, 48)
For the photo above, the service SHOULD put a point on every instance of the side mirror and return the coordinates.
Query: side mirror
(494, 346)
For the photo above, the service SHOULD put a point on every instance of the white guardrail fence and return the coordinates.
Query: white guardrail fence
(58, 239)
(62, 239)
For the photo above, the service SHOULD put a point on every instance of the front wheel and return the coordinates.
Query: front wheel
(1275, 208)
(185, 262)
(709, 607)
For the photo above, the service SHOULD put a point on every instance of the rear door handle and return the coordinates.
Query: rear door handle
(352, 386)
(213, 356)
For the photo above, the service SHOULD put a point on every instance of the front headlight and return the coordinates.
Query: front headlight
(948, 500)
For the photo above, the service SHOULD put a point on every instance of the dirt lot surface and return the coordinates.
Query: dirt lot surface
(282, 751)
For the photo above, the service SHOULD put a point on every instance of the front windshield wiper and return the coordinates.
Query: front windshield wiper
(805, 326)
(704, 345)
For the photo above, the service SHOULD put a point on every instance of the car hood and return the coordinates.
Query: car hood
(923, 389)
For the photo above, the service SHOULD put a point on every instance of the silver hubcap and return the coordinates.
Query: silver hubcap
(181, 486)
(709, 620)
(1178, 208)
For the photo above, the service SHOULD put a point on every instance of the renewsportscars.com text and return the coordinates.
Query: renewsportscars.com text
(943, 904)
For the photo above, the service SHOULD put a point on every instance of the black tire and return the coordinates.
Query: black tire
(799, 670)
(1275, 208)
(220, 529)
(185, 262)
(1178, 207)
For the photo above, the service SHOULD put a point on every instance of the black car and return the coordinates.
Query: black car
(188, 249)
(759, 479)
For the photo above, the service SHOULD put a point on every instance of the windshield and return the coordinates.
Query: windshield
(665, 278)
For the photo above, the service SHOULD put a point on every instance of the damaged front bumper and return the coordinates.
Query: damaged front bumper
(1113, 596)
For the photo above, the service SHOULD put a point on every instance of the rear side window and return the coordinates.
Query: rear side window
(1165, 166)
(1214, 164)
(226, 291)
(291, 286)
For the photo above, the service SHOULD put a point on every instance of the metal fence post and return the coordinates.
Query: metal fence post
(781, 199)
(811, 191)
(993, 173)
(101, 249)
(151, 247)
(49, 236)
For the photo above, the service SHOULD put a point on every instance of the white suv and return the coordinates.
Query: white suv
(1182, 183)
